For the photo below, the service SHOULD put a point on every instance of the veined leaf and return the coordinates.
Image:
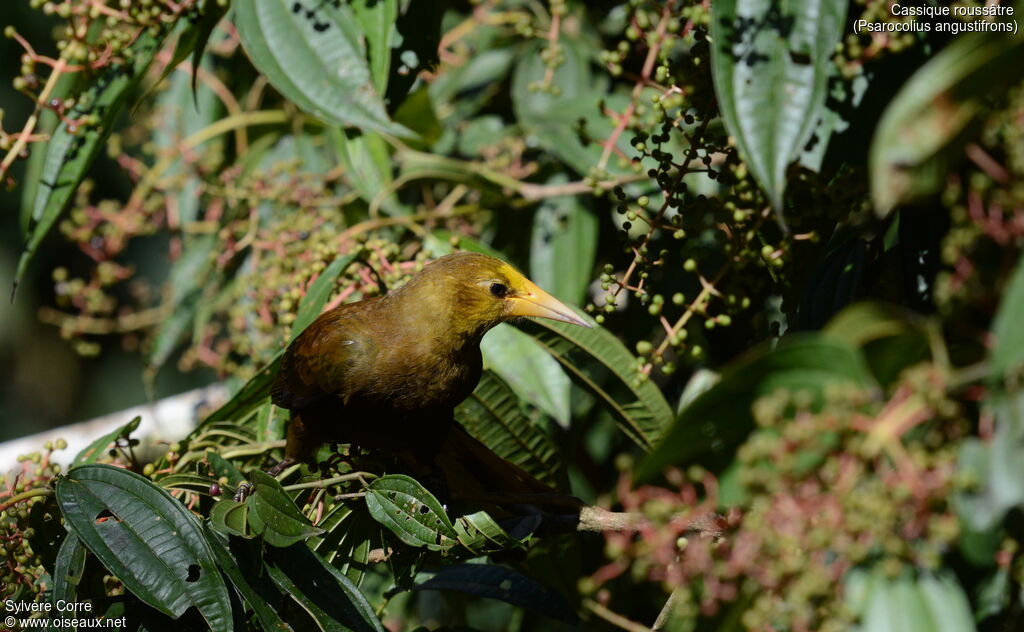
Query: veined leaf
(720, 418)
(590, 355)
(492, 415)
(770, 64)
(273, 515)
(321, 590)
(186, 283)
(367, 167)
(244, 584)
(70, 151)
(409, 511)
(348, 537)
(924, 127)
(312, 53)
(146, 539)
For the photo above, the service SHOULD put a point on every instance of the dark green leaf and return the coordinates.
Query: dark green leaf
(222, 467)
(312, 53)
(273, 515)
(720, 418)
(589, 356)
(67, 571)
(98, 448)
(409, 511)
(493, 416)
(267, 617)
(770, 63)
(479, 533)
(70, 153)
(347, 539)
(498, 582)
(923, 130)
(146, 539)
(322, 591)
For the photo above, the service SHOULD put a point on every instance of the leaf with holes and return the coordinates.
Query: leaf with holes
(273, 515)
(145, 538)
(770, 63)
(313, 54)
(409, 511)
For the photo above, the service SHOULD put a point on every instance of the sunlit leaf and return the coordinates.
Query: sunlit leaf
(409, 511)
(312, 53)
(770, 63)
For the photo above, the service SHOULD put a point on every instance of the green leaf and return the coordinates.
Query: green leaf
(1007, 356)
(368, 167)
(67, 571)
(409, 511)
(273, 515)
(312, 54)
(479, 533)
(924, 128)
(995, 468)
(571, 124)
(316, 296)
(231, 518)
(322, 590)
(98, 448)
(720, 418)
(69, 154)
(146, 539)
(347, 539)
(185, 283)
(504, 584)
(770, 64)
(532, 373)
(377, 22)
(189, 482)
(563, 246)
(929, 603)
(602, 366)
(222, 467)
(493, 416)
(243, 584)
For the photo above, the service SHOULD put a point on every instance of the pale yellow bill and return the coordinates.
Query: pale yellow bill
(533, 301)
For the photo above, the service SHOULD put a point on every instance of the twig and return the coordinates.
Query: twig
(327, 482)
(666, 612)
(614, 618)
(32, 493)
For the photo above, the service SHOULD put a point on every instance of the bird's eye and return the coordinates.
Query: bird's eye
(499, 289)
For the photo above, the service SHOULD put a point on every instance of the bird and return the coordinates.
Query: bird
(386, 373)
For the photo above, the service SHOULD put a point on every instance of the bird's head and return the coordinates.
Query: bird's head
(483, 291)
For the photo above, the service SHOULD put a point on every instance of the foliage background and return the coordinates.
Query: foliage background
(807, 240)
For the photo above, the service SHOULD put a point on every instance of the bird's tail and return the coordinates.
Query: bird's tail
(473, 471)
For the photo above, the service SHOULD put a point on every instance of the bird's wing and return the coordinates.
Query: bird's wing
(322, 365)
